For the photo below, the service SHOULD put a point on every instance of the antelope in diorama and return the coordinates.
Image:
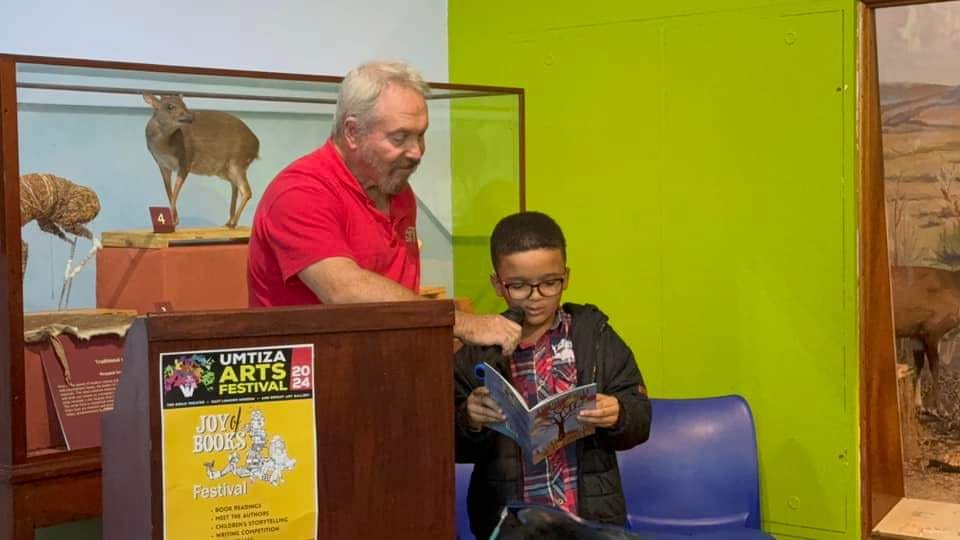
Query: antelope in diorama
(211, 143)
(926, 305)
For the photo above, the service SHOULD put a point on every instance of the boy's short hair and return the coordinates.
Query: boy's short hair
(525, 231)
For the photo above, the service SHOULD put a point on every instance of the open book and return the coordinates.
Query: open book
(550, 425)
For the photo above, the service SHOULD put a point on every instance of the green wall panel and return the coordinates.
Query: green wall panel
(700, 157)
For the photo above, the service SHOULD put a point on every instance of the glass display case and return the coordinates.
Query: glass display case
(87, 185)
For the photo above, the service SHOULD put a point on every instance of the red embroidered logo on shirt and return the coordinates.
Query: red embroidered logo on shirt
(411, 235)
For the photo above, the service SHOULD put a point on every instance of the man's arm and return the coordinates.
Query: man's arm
(338, 280)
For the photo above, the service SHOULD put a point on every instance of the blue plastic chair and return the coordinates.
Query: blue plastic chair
(697, 474)
(463, 471)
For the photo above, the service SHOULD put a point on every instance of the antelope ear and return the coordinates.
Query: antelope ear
(151, 100)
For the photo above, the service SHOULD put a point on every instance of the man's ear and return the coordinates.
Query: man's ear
(352, 132)
(566, 282)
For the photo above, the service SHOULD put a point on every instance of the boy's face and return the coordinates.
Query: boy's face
(518, 274)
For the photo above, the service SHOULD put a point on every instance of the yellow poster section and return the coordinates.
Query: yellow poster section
(240, 471)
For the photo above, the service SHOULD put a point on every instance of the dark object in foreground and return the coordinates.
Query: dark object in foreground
(531, 522)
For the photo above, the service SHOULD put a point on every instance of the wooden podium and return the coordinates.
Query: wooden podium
(383, 409)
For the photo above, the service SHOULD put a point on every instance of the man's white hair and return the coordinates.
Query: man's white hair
(362, 86)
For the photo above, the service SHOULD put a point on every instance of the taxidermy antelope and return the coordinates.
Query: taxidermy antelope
(926, 305)
(211, 143)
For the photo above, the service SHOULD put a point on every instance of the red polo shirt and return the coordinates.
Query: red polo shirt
(316, 208)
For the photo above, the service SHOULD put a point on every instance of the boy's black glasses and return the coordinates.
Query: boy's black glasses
(522, 291)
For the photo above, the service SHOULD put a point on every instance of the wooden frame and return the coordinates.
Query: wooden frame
(17, 466)
(880, 449)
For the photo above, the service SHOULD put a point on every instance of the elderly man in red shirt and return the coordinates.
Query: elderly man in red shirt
(338, 225)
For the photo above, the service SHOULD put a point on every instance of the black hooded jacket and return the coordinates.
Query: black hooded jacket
(602, 357)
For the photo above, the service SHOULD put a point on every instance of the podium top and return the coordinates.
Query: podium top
(316, 319)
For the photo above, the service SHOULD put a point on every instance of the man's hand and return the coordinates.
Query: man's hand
(475, 329)
(338, 280)
(605, 415)
(482, 410)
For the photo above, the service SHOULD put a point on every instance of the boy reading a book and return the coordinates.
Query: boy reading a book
(562, 346)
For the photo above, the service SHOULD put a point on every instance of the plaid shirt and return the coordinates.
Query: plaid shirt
(540, 370)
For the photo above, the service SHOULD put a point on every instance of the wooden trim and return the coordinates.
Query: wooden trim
(246, 97)
(62, 464)
(881, 460)
(13, 444)
(434, 96)
(186, 94)
(522, 130)
(191, 70)
(63, 499)
(152, 362)
(6, 365)
(147, 239)
(867, 54)
(476, 88)
(298, 320)
(7, 78)
(874, 4)
(161, 68)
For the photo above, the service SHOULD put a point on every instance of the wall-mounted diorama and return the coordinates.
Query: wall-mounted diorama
(918, 47)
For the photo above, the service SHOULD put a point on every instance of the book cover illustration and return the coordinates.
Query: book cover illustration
(550, 425)
(238, 443)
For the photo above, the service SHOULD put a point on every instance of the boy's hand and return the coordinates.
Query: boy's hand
(605, 415)
(476, 329)
(482, 410)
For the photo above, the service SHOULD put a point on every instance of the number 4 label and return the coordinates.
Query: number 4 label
(162, 219)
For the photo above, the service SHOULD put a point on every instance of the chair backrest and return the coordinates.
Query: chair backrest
(463, 471)
(698, 470)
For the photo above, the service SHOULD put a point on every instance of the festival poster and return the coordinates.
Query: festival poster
(239, 444)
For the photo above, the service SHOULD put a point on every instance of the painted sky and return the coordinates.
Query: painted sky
(920, 43)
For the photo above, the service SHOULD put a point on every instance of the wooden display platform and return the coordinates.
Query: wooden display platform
(146, 238)
(916, 519)
(188, 277)
(437, 292)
